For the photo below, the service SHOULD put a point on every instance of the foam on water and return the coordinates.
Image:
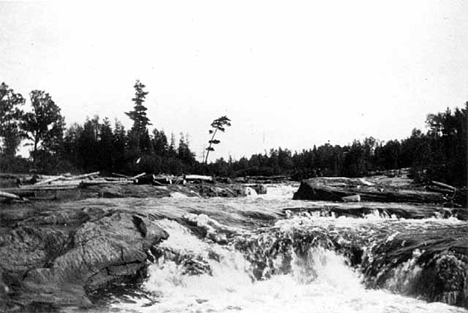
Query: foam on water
(279, 191)
(320, 281)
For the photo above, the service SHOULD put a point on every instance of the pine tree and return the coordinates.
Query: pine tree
(218, 124)
(138, 116)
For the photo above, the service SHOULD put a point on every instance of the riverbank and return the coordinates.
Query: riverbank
(58, 253)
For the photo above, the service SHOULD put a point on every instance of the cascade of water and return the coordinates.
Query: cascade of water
(292, 266)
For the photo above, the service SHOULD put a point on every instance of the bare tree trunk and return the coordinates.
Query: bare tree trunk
(209, 147)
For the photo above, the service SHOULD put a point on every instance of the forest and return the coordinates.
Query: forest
(439, 153)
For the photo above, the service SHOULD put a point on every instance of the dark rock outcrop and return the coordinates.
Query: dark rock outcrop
(385, 210)
(148, 191)
(335, 188)
(55, 258)
(431, 264)
(426, 261)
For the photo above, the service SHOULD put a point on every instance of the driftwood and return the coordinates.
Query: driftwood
(65, 178)
(353, 198)
(264, 179)
(179, 180)
(19, 192)
(198, 177)
(63, 186)
(8, 176)
(9, 195)
(162, 180)
(137, 176)
(104, 182)
(443, 186)
(115, 179)
(49, 180)
(89, 175)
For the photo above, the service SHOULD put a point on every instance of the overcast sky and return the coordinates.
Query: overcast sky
(289, 74)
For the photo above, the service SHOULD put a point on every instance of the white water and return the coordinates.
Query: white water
(320, 281)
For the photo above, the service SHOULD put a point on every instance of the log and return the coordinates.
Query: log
(198, 177)
(162, 179)
(115, 179)
(8, 176)
(49, 180)
(50, 187)
(137, 176)
(353, 198)
(179, 180)
(365, 182)
(103, 182)
(19, 192)
(81, 176)
(440, 190)
(9, 195)
(442, 185)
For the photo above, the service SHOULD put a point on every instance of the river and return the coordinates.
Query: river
(250, 255)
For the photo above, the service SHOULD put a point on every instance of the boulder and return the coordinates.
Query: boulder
(431, 264)
(260, 189)
(337, 188)
(49, 262)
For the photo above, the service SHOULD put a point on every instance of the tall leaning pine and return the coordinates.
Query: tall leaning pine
(218, 124)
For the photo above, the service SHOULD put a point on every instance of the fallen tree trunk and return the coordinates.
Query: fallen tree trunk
(161, 179)
(52, 187)
(19, 192)
(137, 176)
(444, 186)
(9, 195)
(104, 182)
(49, 180)
(89, 175)
(198, 177)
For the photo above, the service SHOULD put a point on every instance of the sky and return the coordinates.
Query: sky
(288, 74)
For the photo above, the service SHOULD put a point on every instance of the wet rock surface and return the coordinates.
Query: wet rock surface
(56, 254)
(53, 257)
(427, 261)
(337, 188)
(130, 190)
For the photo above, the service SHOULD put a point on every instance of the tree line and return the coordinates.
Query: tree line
(440, 153)
(95, 145)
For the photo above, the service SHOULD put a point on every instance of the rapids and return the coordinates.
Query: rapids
(251, 255)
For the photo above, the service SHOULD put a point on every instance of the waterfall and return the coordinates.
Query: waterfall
(300, 264)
